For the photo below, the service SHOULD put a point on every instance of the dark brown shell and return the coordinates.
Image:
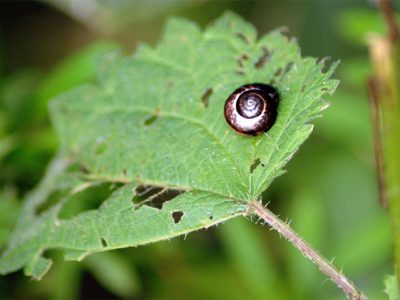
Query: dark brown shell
(252, 108)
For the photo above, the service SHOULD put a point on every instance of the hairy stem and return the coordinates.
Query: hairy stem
(324, 265)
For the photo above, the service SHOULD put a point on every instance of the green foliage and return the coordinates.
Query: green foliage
(18, 98)
(74, 70)
(113, 16)
(248, 255)
(9, 209)
(113, 272)
(144, 124)
(391, 287)
(354, 25)
(26, 142)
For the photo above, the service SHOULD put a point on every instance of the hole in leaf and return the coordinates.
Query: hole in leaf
(153, 196)
(324, 89)
(243, 37)
(52, 200)
(206, 96)
(103, 242)
(255, 164)
(150, 120)
(245, 56)
(287, 68)
(263, 58)
(84, 168)
(177, 216)
(325, 67)
(87, 200)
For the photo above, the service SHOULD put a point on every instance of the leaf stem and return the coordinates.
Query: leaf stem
(324, 265)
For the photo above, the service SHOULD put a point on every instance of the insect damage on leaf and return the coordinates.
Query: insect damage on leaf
(154, 196)
(153, 128)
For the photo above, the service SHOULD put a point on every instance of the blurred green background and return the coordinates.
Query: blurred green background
(329, 191)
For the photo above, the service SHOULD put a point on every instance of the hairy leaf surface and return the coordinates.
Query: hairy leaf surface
(155, 120)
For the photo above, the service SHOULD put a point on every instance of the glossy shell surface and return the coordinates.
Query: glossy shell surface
(252, 108)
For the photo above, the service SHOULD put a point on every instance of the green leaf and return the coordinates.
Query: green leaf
(18, 99)
(7, 144)
(306, 206)
(115, 273)
(391, 287)
(249, 255)
(355, 24)
(145, 126)
(113, 17)
(9, 209)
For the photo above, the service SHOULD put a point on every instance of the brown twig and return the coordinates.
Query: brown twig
(387, 11)
(324, 265)
(374, 97)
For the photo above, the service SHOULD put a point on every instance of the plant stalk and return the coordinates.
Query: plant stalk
(384, 88)
(324, 265)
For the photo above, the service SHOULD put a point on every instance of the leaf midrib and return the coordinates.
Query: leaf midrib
(160, 113)
(161, 184)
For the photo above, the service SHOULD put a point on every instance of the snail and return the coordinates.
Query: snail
(252, 108)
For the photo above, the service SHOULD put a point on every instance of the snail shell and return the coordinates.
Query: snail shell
(252, 108)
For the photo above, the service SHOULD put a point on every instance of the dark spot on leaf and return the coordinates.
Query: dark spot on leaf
(278, 72)
(150, 120)
(124, 172)
(240, 62)
(153, 196)
(263, 58)
(287, 68)
(240, 72)
(177, 216)
(254, 165)
(206, 96)
(211, 217)
(103, 242)
(281, 72)
(324, 89)
(84, 168)
(243, 37)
